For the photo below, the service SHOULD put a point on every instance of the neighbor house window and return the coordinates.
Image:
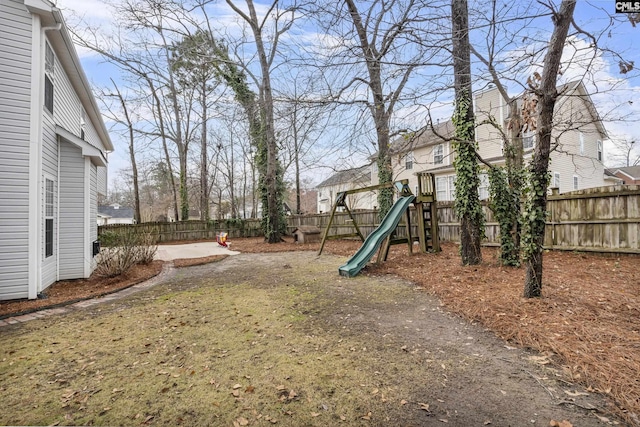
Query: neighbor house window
(556, 179)
(528, 140)
(575, 182)
(445, 187)
(408, 160)
(49, 64)
(581, 143)
(438, 154)
(83, 118)
(483, 188)
(48, 218)
(599, 151)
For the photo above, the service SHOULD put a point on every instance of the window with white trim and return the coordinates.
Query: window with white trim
(83, 118)
(575, 182)
(408, 160)
(556, 180)
(48, 217)
(483, 188)
(445, 187)
(528, 140)
(438, 154)
(599, 151)
(49, 65)
(581, 144)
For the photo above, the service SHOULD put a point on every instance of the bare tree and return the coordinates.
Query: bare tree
(385, 43)
(273, 220)
(627, 153)
(128, 122)
(545, 90)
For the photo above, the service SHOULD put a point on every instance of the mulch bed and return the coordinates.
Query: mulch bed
(68, 291)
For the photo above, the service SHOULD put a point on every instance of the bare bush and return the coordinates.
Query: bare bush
(124, 251)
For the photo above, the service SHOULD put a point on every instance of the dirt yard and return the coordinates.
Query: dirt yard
(281, 339)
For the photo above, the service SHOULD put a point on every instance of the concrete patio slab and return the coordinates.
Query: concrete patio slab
(191, 250)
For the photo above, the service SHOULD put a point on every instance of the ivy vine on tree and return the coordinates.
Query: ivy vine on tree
(467, 201)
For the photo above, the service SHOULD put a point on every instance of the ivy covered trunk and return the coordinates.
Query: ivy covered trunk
(505, 204)
(535, 210)
(467, 201)
(385, 176)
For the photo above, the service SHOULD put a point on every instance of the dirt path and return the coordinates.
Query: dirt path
(467, 375)
(279, 339)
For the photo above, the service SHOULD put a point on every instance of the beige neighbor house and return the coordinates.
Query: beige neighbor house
(53, 153)
(575, 162)
(349, 179)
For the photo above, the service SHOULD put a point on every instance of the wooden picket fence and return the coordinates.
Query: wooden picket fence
(604, 219)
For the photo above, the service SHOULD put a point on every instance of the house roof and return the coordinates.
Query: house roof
(359, 174)
(426, 136)
(578, 86)
(116, 212)
(423, 138)
(632, 172)
(66, 53)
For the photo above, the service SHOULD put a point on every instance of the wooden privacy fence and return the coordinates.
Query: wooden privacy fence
(604, 219)
(189, 230)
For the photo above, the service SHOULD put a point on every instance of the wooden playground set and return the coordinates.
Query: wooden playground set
(386, 234)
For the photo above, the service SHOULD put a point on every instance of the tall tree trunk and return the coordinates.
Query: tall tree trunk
(132, 157)
(296, 149)
(271, 178)
(381, 114)
(467, 201)
(181, 144)
(204, 172)
(232, 183)
(547, 94)
(163, 137)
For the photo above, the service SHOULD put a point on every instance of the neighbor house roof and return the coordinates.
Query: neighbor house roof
(360, 174)
(116, 212)
(428, 136)
(632, 172)
(423, 138)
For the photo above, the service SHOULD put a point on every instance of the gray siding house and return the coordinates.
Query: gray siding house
(53, 153)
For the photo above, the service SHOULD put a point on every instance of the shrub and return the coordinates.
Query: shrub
(123, 250)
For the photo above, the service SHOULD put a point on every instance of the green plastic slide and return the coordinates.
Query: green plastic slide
(374, 240)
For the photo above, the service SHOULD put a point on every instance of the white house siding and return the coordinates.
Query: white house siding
(102, 180)
(67, 108)
(489, 104)
(91, 136)
(71, 208)
(93, 213)
(50, 171)
(15, 75)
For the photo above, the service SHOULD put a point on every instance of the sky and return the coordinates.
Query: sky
(615, 95)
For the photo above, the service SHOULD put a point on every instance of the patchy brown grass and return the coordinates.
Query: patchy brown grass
(587, 322)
